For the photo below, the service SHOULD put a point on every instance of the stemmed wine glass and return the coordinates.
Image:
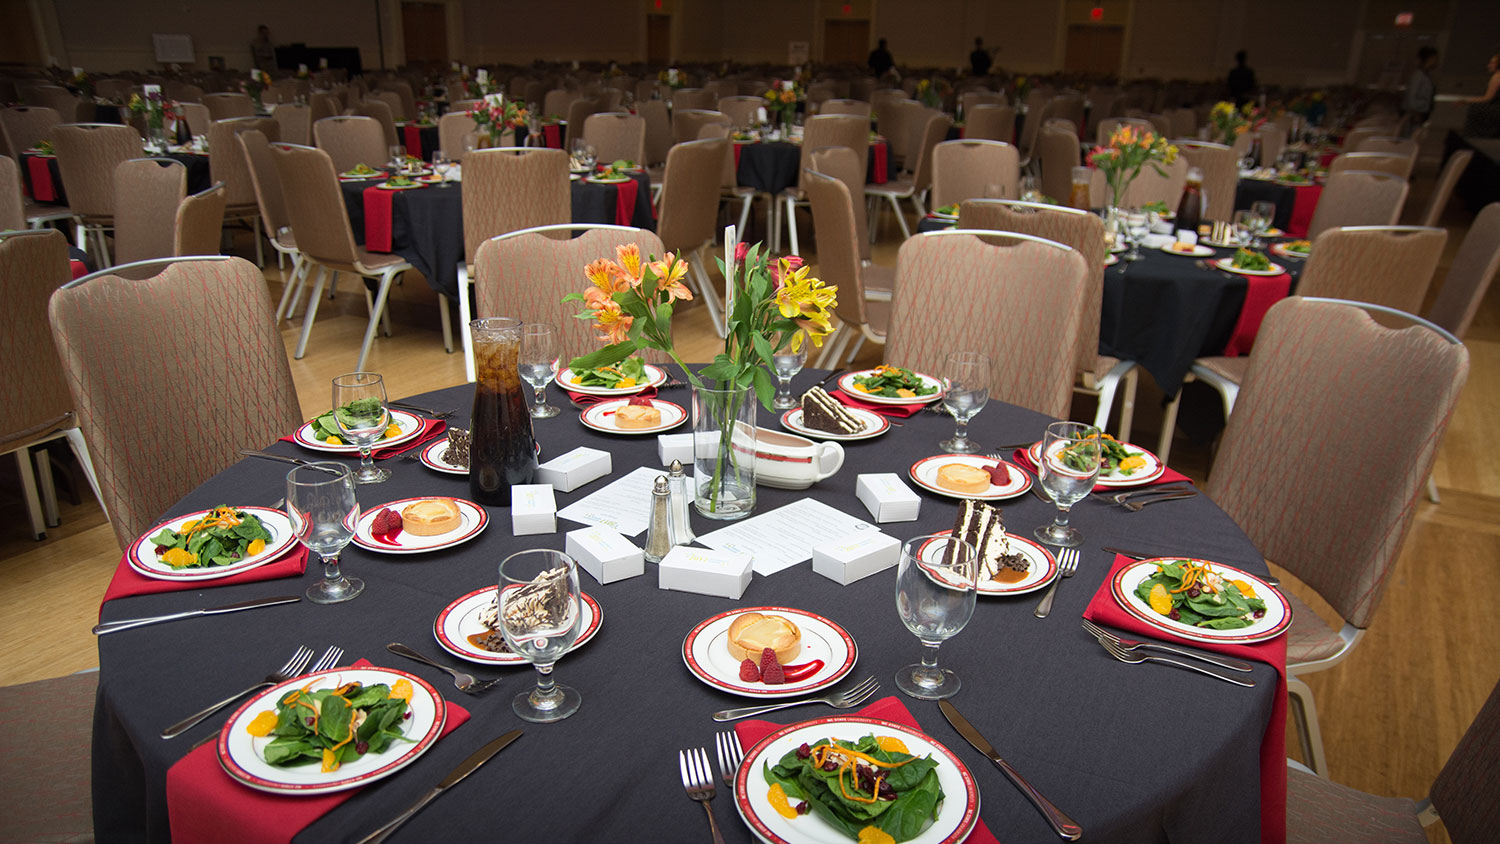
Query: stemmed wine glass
(1137, 226)
(320, 502)
(966, 389)
(1265, 214)
(1244, 227)
(1068, 469)
(935, 591)
(539, 364)
(584, 154)
(441, 166)
(787, 364)
(398, 158)
(362, 417)
(540, 615)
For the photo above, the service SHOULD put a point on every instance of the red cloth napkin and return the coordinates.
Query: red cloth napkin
(889, 708)
(378, 218)
(1302, 210)
(413, 135)
(625, 202)
(1327, 158)
(431, 429)
(898, 410)
(880, 152)
(1264, 291)
(42, 189)
(552, 134)
(205, 804)
(1022, 457)
(78, 269)
(584, 399)
(1105, 610)
(128, 582)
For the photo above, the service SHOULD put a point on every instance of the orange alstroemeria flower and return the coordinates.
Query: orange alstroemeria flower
(603, 273)
(612, 325)
(629, 269)
(669, 273)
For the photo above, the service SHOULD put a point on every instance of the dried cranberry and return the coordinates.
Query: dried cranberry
(361, 747)
(804, 751)
(308, 720)
(1260, 613)
(160, 550)
(803, 808)
(1174, 615)
(1194, 592)
(407, 716)
(830, 765)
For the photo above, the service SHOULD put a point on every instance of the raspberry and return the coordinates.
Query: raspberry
(749, 671)
(772, 676)
(639, 401)
(386, 521)
(767, 659)
(999, 474)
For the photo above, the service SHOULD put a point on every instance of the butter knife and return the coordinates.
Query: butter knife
(1063, 825)
(466, 767)
(128, 623)
(1271, 580)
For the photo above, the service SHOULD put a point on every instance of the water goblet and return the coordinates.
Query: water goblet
(966, 389)
(1067, 470)
(320, 503)
(441, 166)
(1265, 214)
(1137, 226)
(1244, 227)
(786, 363)
(538, 363)
(539, 617)
(360, 411)
(398, 157)
(935, 591)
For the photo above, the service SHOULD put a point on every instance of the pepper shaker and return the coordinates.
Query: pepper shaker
(659, 534)
(682, 529)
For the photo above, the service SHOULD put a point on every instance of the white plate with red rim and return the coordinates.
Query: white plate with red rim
(601, 417)
(472, 520)
(1197, 250)
(1111, 259)
(241, 754)
(143, 558)
(390, 186)
(875, 425)
(846, 384)
(957, 814)
(1280, 251)
(1227, 265)
(432, 456)
(460, 620)
(1277, 619)
(705, 650)
(1043, 566)
(655, 377)
(607, 180)
(1153, 469)
(925, 472)
(409, 423)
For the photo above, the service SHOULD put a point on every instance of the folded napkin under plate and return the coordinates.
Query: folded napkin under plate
(1022, 458)
(127, 581)
(898, 410)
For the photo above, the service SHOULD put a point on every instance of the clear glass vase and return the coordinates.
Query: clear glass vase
(724, 451)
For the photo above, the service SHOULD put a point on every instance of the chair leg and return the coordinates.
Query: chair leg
(464, 316)
(900, 217)
(1309, 736)
(858, 344)
(1168, 427)
(81, 237)
(773, 223)
(1127, 404)
(745, 213)
(447, 321)
(1432, 491)
(47, 490)
(28, 491)
(290, 284)
(375, 313)
(260, 253)
(791, 224)
(81, 451)
(312, 311)
(833, 350)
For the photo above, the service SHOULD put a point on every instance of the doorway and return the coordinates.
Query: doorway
(1094, 49)
(658, 39)
(846, 41)
(424, 28)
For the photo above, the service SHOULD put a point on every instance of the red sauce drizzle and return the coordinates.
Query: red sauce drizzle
(802, 671)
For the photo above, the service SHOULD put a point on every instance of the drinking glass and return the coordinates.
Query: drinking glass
(540, 615)
(398, 157)
(584, 154)
(320, 502)
(786, 364)
(1137, 226)
(1068, 469)
(539, 364)
(1265, 214)
(1029, 192)
(441, 166)
(935, 590)
(361, 414)
(1244, 226)
(966, 388)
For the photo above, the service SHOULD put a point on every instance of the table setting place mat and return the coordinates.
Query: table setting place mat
(431, 430)
(127, 582)
(1103, 609)
(897, 410)
(1302, 210)
(889, 708)
(205, 804)
(1022, 457)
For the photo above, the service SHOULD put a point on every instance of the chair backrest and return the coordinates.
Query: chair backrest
(1185, 123)
(1378, 162)
(722, 88)
(1469, 276)
(578, 111)
(315, 205)
(1443, 190)
(557, 100)
(698, 98)
(393, 101)
(197, 116)
(380, 111)
(686, 123)
(453, 127)
(968, 99)
(833, 211)
(1221, 173)
(32, 265)
(526, 274)
(87, 155)
(1383, 265)
(1466, 792)
(55, 97)
(842, 163)
(1272, 142)
(323, 104)
(200, 221)
(227, 106)
(226, 159)
(352, 140)
(1323, 370)
(111, 363)
(506, 190)
(835, 130)
(740, 110)
(268, 193)
(931, 134)
(293, 120)
(952, 289)
(1108, 125)
(1151, 186)
(690, 194)
(728, 177)
(1358, 198)
(899, 120)
(616, 135)
(12, 201)
(986, 122)
(844, 106)
(658, 129)
(971, 169)
(25, 126)
(183, 92)
(147, 191)
(1058, 151)
(1358, 134)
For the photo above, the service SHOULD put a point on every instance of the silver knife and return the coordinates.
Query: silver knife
(466, 767)
(1063, 825)
(127, 623)
(280, 458)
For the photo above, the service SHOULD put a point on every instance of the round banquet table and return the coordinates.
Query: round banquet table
(771, 166)
(35, 166)
(1295, 204)
(1134, 753)
(420, 139)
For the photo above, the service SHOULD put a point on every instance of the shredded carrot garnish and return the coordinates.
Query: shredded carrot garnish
(823, 751)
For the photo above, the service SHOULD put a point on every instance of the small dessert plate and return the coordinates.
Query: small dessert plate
(460, 620)
(875, 425)
(925, 473)
(601, 417)
(472, 520)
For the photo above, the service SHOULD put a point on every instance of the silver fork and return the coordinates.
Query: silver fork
(291, 669)
(698, 779)
(464, 682)
(329, 659)
(1122, 497)
(1067, 563)
(1130, 645)
(838, 700)
(1134, 505)
(1135, 659)
(435, 414)
(730, 755)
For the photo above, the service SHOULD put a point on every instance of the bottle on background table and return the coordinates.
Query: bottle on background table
(1190, 206)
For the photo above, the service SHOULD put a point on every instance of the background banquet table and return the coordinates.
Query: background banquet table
(198, 176)
(771, 166)
(1134, 753)
(1295, 204)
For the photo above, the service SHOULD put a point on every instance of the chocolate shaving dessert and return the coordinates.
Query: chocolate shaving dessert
(822, 412)
(982, 526)
(458, 447)
(540, 605)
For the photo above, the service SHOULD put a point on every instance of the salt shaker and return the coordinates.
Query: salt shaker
(659, 534)
(682, 529)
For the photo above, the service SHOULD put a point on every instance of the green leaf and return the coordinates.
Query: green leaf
(763, 348)
(764, 389)
(611, 354)
(573, 297)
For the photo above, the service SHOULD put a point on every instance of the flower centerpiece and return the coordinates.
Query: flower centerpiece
(156, 110)
(481, 86)
(1228, 123)
(782, 99)
(670, 78)
(256, 85)
(1129, 149)
(930, 92)
(493, 115)
(771, 306)
(1021, 87)
(84, 84)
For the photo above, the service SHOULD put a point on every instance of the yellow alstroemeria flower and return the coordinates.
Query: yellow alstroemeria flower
(629, 257)
(670, 272)
(602, 273)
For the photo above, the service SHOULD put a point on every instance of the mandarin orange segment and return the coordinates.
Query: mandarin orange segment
(875, 835)
(1160, 600)
(402, 689)
(262, 724)
(891, 744)
(777, 798)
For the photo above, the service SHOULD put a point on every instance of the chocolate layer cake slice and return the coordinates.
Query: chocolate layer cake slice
(821, 412)
(983, 526)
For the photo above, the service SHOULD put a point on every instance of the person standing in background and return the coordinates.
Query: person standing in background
(262, 53)
(1241, 80)
(881, 60)
(980, 60)
(1420, 88)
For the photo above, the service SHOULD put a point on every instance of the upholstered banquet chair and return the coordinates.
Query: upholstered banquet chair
(148, 191)
(1272, 142)
(1443, 190)
(1469, 276)
(1358, 198)
(183, 92)
(197, 117)
(985, 122)
(824, 130)
(658, 130)
(38, 408)
(843, 106)
(1328, 513)
(229, 105)
(1359, 134)
(87, 155)
(26, 126)
(916, 186)
(323, 104)
(557, 100)
(969, 99)
(12, 201)
(579, 111)
(453, 127)
(740, 110)
(951, 288)
(842, 163)
(111, 363)
(226, 164)
(352, 140)
(1151, 186)
(687, 122)
(527, 273)
(55, 97)
(968, 169)
(393, 102)
(615, 136)
(1377, 162)
(861, 316)
(1221, 173)
(1058, 151)
(200, 222)
(899, 124)
(689, 217)
(730, 190)
(507, 189)
(1185, 123)
(380, 112)
(271, 201)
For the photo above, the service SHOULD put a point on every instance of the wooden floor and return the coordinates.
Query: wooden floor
(1391, 713)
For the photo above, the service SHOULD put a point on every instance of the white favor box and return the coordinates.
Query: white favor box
(855, 556)
(567, 472)
(705, 571)
(675, 447)
(532, 509)
(887, 498)
(605, 554)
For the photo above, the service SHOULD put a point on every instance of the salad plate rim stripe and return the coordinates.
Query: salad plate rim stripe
(584, 636)
(1031, 587)
(605, 406)
(270, 555)
(1206, 635)
(985, 496)
(967, 820)
(1035, 449)
(812, 433)
(702, 673)
(482, 520)
(303, 435)
(411, 753)
(846, 386)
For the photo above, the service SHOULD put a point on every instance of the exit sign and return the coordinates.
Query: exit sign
(1403, 18)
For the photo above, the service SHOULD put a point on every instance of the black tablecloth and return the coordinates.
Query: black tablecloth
(1134, 753)
(1480, 183)
(772, 167)
(1249, 191)
(198, 177)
